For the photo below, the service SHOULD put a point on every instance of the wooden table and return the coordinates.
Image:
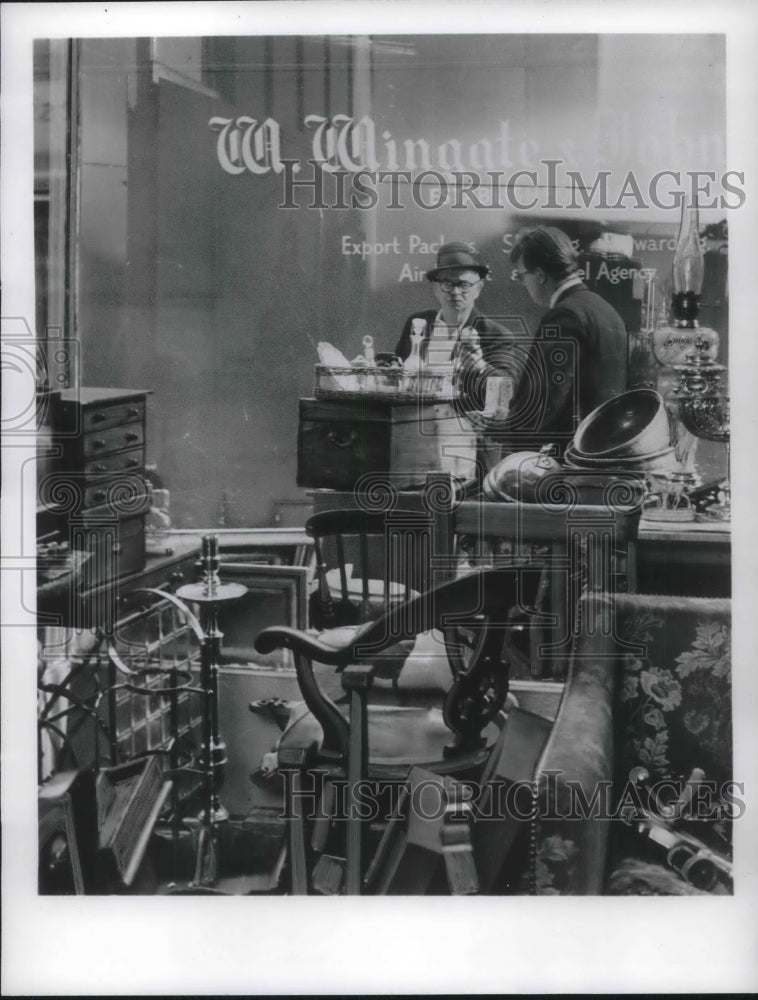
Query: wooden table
(691, 559)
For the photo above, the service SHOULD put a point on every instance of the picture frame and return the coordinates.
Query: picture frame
(257, 546)
(276, 595)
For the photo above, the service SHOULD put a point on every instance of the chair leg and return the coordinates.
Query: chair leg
(356, 680)
(328, 875)
(430, 828)
(390, 850)
(292, 764)
(325, 817)
(455, 837)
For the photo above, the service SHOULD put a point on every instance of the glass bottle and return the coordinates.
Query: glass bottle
(368, 350)
(414, 363)
(370, 359)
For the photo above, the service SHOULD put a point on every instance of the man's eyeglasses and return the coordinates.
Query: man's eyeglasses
(461, 286)
(517, 275)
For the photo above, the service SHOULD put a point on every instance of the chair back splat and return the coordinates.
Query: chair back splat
(377, 558)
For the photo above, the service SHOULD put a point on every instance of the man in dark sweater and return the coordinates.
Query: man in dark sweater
(578, 358)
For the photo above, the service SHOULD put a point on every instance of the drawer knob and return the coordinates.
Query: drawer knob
(132, 436)
(176, 578)
(99, 443)
(99, 467)
(133, 463)
(99, 495)
(335, 439)
(133, 411)
(98, 418)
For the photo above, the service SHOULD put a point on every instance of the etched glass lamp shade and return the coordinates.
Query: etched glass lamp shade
(688, 269)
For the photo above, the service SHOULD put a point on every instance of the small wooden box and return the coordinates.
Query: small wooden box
(340, 441)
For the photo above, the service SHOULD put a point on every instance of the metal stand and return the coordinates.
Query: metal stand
(209, 594)
(704, 410)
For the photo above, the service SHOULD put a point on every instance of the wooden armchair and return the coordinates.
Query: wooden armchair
(639, 760)
(387, 745)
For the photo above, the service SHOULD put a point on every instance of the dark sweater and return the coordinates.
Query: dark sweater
(577, 361)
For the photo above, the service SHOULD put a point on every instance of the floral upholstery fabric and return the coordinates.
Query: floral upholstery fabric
(657, 694)
(674, 704)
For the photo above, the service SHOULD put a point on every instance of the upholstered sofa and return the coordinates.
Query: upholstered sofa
(646, 706)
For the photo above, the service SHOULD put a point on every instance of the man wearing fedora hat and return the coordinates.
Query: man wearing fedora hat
(457, 333)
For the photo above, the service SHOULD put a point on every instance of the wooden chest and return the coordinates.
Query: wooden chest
(100, 479)
(340, 442)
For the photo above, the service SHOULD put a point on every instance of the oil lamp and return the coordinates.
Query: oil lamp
(672, 343)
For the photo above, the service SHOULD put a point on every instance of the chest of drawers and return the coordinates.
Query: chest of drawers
(100, 434)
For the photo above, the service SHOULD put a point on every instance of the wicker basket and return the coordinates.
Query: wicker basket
(383, 383)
